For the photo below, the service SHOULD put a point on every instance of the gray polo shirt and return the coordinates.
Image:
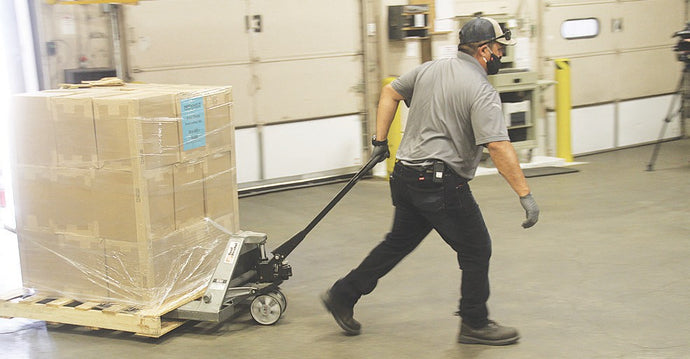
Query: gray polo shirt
(454, 110)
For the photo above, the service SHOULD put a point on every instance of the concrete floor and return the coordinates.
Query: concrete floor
(604, 274)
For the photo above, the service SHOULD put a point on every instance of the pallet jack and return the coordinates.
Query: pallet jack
(246, 276)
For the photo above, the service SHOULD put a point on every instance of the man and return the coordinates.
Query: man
(454, 113)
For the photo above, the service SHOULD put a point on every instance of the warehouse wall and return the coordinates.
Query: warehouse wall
(628, 67)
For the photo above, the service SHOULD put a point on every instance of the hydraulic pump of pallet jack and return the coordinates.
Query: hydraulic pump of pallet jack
(275, 269)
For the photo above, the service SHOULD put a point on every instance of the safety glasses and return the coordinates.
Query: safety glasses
(506, 35)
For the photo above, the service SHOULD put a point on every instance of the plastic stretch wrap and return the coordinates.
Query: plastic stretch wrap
(124, 194)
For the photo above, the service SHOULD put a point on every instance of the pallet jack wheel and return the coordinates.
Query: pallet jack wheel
(266, 309)
(282, 299)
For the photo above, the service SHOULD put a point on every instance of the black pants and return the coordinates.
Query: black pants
(421, 206)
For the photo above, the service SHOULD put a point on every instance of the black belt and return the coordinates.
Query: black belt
(434, 173)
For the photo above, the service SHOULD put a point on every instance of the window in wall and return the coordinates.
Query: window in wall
(580, 28)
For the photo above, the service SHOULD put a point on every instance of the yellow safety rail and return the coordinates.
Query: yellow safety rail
(563, 106)
(394, 133)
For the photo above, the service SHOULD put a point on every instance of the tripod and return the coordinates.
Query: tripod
(682, 92)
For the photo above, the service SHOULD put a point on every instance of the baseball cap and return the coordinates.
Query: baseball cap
(485, 29)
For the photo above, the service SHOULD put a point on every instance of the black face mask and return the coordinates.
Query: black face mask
(493, 65)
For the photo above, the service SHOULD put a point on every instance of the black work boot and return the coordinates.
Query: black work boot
(342, 314)
(490, 334)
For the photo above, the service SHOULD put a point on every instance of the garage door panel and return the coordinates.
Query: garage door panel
(588, 89)
(640, 25)
(650, 22)
(557, 46)
(639, 74)
(640, 120)
(294, 28)
(291, 90)
(239, 77)
(197, 32)
(593, 128)
(248, 155)
(605, 78)
(293, 149)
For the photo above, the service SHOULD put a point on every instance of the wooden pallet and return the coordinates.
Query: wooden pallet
(140, 321)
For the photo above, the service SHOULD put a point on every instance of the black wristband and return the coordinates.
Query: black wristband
(378, 143)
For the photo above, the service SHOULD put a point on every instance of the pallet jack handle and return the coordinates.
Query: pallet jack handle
(286, 248)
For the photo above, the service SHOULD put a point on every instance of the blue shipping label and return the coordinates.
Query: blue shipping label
(193, 123)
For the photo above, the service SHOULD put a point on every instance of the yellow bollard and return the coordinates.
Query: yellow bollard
(563, 106)
(394, 133)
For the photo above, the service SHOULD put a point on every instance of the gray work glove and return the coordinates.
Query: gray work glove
(531, 210)
(380, 150)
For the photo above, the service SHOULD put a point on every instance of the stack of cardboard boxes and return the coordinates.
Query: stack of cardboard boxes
(124, 194)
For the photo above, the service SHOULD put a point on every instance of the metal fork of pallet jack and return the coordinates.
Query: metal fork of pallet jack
(245, 273)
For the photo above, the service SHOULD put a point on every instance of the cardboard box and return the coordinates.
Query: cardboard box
(120, 205)
(136, 129)
(149, 274)
(165, 270)
(134, 207)
(75, 135)
(63, 265)
(220, 129)
(204, 116)
(54, 199)
(199, 117)
(189, 193)
(33, 129)
(220, 190)
(32, 190)
(71, 201)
